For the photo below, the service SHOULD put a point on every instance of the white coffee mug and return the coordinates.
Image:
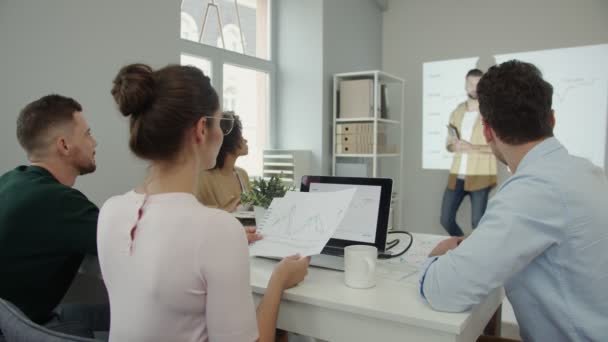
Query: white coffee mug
(360, 266)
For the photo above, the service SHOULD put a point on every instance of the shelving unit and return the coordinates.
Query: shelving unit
(387, 119)
(395, 119)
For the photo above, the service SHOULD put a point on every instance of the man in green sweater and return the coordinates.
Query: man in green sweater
(47, 226)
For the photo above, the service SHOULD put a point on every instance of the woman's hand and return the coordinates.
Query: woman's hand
(252, 235)
(291, 270)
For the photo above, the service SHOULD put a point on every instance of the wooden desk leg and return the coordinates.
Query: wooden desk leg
(493, 327)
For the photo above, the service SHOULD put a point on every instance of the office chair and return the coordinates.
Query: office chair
(16, 327)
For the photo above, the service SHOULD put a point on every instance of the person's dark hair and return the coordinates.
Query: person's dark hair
(232, 141)
(474, 73)
(38, 117)
(515, 101)
(162, 105)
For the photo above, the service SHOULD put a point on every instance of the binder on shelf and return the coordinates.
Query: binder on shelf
(358, 128)
(360, 138)
(384, 110)
(364, 149)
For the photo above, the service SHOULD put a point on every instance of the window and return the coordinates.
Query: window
(236, 25)
(189, 28)
(232, 47)
(203, 64)
(246, 93)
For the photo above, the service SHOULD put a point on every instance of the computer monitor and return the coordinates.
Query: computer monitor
(366, 220)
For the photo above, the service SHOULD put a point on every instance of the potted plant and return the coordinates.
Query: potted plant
(262, 193)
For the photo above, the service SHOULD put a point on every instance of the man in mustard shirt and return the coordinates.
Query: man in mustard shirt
(473, 171)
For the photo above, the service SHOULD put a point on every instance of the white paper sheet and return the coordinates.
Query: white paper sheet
(301, 223)
(405, 269)
(422, 245)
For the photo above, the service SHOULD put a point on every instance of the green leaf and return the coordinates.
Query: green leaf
(263, 192)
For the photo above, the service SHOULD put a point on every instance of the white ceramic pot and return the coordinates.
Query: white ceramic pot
(260, 215)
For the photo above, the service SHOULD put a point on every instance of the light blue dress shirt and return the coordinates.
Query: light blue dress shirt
(544, 237)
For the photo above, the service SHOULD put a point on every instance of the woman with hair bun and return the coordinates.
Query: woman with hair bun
(176, 270)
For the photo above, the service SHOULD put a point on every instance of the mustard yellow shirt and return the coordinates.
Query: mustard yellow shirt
(481, 167)
(217, 190)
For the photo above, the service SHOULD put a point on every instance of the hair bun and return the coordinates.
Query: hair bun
(134, 89)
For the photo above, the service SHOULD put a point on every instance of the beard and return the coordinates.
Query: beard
(86, 165)
(84, 162)
(85, 169)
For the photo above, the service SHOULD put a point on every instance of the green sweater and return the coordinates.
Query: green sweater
(46, 228)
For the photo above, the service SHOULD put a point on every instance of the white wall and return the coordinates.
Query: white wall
(75, 48)
(352, 41)
(299, 111)
(415, 32)
(315, 40)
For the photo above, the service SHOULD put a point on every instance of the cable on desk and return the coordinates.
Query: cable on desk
(392, 244)
(389, 255)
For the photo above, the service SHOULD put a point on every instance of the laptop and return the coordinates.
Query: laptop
(365, 222)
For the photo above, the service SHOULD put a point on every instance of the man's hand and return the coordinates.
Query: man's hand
(462, 146)
(446, 245)
(252, 236)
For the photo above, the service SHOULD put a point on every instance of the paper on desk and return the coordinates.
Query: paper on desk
(301, 223)
(422, 246)
(405, 268)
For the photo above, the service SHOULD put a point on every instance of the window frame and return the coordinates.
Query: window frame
(219, 56)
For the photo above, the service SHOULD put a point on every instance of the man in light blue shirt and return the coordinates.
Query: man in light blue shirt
(544, 236)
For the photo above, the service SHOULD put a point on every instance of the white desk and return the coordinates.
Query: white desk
(324, 308)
